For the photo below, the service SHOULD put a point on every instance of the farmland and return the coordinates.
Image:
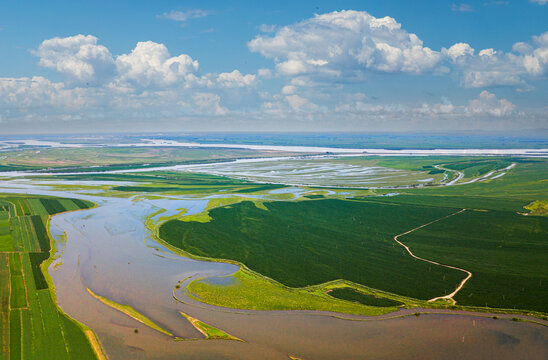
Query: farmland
(309, 250)
(314, 241)
(32, 326)
(506, 253)
(299, 248)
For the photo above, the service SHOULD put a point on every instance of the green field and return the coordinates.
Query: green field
(32, 327)
(506, 252)
(311, 242)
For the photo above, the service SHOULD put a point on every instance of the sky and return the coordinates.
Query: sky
(316, 66)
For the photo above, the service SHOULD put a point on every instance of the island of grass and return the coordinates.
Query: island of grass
(248, 290)
(131, 312)
(210, 332)
(31, 325)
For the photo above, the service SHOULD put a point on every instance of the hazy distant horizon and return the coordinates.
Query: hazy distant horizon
(277, 140)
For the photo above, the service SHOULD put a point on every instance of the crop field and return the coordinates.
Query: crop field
(31, 326)
(506, 253)
(297, 243)
(314, 241)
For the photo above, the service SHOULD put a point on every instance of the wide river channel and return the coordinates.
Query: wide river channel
(109, 250)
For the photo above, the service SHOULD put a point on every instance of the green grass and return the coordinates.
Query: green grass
(450, 201)
(52, 206)
(527, 182)
(365, 299)
(539, 207)
(249, 291)
(18, 297)
(4, 306)
(207, 330)
(77, 344)
(6, 240)
(18, 294)
(314, 197)
(15, 335)
(476, 167)
(312, 242)
(131, 312)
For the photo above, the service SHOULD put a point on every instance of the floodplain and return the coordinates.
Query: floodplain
(266, 261)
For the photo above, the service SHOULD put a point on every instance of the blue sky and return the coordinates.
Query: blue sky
(286, 65)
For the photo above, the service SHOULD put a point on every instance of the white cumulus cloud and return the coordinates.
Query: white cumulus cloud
(345, 42)
(36, 92)
(492, 67)
(488, 104)
(77, 57)
(458, 52)
(235, 79)
(150, 64)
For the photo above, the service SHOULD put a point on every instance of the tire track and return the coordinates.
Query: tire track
(468, 273)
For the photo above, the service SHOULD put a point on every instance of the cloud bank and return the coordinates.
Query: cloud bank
(316, 66)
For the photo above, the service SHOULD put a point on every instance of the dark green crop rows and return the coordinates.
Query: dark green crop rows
(52, 206)
(41, 233)
(311, 242)
(36, 260)
(505, 252)
(32, 327)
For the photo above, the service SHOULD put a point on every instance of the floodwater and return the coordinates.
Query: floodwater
(299, 149)
(109, 251)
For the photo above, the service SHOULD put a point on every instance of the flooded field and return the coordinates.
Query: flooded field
(111, 252)
(319, 172)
